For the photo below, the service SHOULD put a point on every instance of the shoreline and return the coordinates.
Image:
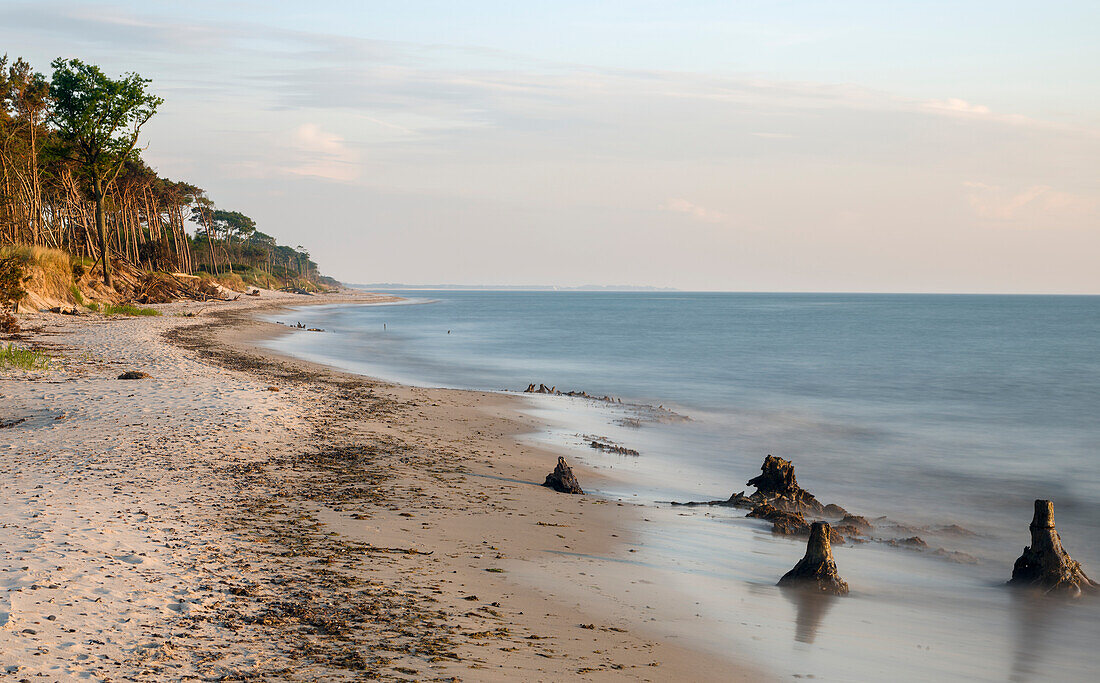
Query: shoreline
(390, 470)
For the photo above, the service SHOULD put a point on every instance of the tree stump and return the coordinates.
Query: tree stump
(1045, 564)
(777, 485)
(817, 569)
(562, 479)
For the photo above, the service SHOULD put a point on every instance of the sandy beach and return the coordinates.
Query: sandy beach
(241, 515)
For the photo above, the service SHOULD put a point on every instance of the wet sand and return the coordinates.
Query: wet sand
(242, 514)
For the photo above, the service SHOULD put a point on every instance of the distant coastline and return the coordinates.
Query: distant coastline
(389, 286)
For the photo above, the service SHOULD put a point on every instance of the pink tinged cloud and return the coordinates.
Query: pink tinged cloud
(322, 155)
(1037, 202)
(699, 213)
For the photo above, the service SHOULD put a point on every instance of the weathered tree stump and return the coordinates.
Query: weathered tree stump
(562, 479)
(817, 569)
(778, 486)
(1045, 564)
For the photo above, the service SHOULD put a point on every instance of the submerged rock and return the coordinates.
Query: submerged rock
(784, 522)
(914, 542)
(1044, 564)
(562, 479)
(817, 569)
(858, 522)
(788, 523)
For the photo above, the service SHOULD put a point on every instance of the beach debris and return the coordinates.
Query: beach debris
(1045, 564)
(7, 424)
(562, 479)
(9, 324)
(611, 448)
(817, 569)
(64, 310)
(252, 291)
(553, 391)
(134, 374)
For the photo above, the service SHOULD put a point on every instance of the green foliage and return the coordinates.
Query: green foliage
(98, 118)
(233, 223)
(94, 307)
(77, 296)
(12, 356)
(128, 309)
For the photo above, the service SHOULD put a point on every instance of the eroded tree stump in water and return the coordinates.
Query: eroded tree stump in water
(1045, 564)
(562, 479)
(817, 569)
(777, 485)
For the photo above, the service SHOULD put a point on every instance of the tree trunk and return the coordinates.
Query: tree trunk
(101, 230)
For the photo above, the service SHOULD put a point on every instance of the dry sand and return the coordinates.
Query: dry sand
(240, 515)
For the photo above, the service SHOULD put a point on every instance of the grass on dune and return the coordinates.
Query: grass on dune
(128, 309)
(12, 356)
(48, 271)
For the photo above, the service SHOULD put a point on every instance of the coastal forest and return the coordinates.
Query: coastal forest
(72, 180)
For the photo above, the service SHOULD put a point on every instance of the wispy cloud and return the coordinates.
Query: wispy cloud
(699, 213)
(1037, 205)
(322, 154)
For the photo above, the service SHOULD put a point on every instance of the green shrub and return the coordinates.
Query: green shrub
(12, 280)
(93, 306)
(12, 356)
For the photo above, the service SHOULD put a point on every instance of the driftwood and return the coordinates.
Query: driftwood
(612, 448)
(553, 391)
(1045, 564)
(817, 569)
(134, 374)
(562, 479)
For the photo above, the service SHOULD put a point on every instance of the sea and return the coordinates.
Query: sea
(941, 417)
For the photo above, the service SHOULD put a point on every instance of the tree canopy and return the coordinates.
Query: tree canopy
(72, 178)
(98, 121)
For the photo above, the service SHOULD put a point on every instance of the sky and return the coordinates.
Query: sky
(698, 144)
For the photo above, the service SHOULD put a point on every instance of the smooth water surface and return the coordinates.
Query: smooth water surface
(929, 410)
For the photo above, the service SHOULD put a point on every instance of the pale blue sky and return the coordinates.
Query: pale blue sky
(870, 146)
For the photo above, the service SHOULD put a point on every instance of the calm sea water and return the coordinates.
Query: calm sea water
(930, 410)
